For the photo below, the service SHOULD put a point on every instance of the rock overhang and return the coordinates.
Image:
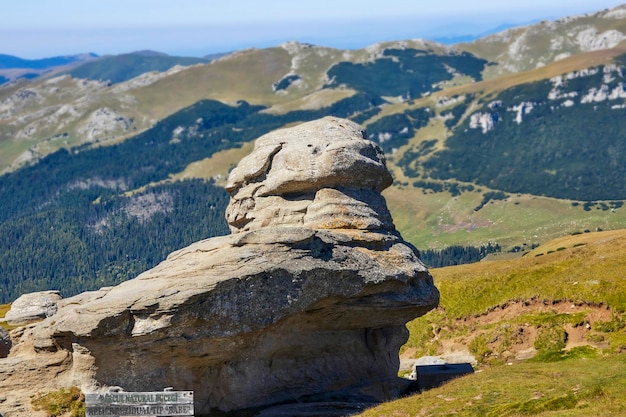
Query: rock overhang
(313, 284)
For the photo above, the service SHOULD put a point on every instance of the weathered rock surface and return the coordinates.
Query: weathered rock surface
(320, 175)
(33, 307)
(305, 302)
(5, 343)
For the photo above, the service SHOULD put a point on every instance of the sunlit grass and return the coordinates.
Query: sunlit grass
(588, 272)
(4, 308)
(66, 402)
(217, 166)
(577, 387)
(592, 273)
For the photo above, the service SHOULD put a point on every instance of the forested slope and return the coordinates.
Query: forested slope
(90, 216)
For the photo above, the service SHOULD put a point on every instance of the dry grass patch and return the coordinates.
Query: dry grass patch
(4, 308)
(218, 166)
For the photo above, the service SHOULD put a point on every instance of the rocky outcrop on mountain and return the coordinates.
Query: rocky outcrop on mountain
(604, 83)
(146, 79)
(484, 121)
(102, 121)
(305, 302)
(54, 111)
(33, 307)
(525, 48)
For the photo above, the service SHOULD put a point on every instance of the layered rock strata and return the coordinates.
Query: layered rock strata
(319, 175)
(306, 301)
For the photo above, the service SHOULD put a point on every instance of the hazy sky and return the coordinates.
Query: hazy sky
(42, 28)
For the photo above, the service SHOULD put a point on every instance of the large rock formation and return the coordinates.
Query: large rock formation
(319, 175)
(306, 301)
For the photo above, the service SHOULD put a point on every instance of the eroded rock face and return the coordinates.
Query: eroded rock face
(323, 174)
(306, 301)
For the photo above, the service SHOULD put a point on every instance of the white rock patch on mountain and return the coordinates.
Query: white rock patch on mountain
(590, 40)
(485, 121)
(104, 121)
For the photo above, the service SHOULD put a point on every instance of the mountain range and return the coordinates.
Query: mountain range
(110, 163)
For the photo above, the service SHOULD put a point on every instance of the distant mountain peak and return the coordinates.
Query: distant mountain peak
(14, 68)
(618, 12)
(148, 52)
(528, 47)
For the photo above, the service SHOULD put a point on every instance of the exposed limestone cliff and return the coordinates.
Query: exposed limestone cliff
(486, 121)
(305, 302)
(525, 48)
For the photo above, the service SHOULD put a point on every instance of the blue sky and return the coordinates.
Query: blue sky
(43, 28)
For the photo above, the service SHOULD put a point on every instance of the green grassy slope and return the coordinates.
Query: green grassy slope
(548, 331)
(497, 309)
(584, 387)
(438, 220)
(587, 268)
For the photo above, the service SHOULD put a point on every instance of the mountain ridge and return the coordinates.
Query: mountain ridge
(220, 106)
(10, 61)
(17, 70)
(523, 48)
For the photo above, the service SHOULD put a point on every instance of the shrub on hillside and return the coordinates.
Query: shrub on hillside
(66, 400)
(550, 343)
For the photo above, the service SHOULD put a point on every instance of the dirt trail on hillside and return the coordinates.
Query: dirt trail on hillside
(512, 338)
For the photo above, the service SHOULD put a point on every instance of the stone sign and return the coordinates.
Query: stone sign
(162, 403)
